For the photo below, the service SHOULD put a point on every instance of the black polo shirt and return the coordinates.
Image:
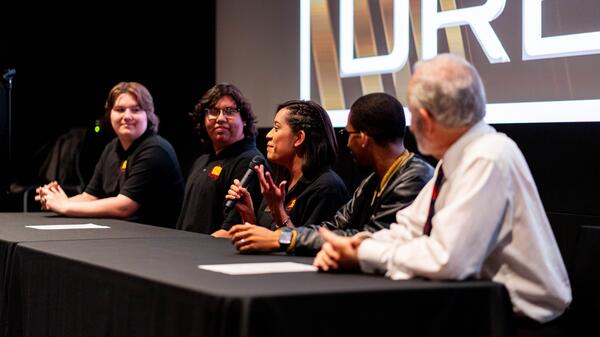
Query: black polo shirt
(148, 173)
(311, 200)
(208, 183)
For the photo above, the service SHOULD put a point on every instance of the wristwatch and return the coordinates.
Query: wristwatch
(285, 239)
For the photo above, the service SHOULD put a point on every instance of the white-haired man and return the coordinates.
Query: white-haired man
(480, 216)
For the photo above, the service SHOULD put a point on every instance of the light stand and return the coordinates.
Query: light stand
(8, 75)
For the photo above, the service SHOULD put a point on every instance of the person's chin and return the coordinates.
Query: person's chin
(223, 135)
(126, 133)
(129, 128)
(224, 140)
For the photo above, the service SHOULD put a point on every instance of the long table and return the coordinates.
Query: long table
(152, 286)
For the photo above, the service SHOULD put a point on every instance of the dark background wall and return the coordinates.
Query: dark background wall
(67, 64)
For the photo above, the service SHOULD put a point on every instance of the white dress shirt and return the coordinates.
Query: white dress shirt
(489, 223)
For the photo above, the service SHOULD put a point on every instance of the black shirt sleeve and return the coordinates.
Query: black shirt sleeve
(150, 167)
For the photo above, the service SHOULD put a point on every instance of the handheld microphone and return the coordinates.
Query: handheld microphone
(256, 161)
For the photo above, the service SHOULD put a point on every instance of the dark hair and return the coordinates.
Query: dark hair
(210, 99)
(379, 115)
(141, 95)
(320, 145)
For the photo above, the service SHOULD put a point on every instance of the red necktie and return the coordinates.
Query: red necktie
(439, 180)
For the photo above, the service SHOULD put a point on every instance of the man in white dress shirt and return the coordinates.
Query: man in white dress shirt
(487, 221)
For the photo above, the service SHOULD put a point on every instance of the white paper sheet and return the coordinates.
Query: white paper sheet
(258, 268)
(69, 226)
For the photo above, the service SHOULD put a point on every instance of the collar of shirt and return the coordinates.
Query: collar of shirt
(125, 153)
(399, 162)
(235, 148)
(453, 155)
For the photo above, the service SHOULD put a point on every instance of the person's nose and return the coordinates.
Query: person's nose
(221, 116)
(269, 135)
(127, 115)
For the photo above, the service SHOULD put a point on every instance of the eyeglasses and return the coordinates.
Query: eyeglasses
(213, 113)
(346, 133)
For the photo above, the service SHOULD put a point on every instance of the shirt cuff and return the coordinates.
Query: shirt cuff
(370, 256)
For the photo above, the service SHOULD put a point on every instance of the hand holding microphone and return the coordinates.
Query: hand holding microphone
(243, 205)
(238, 190)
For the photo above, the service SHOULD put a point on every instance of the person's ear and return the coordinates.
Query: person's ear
(300, 136)
(364, 139)
(427, 120)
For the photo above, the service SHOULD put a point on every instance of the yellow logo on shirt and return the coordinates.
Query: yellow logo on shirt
(291, 204)
(215, 172)
(124, 166)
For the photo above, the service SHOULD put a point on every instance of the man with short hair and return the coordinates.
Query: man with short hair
(480, 216)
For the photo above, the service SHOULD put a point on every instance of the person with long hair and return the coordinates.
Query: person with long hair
(302, 142)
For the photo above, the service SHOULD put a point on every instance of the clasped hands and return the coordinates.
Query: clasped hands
(51, 196)
(338, 252)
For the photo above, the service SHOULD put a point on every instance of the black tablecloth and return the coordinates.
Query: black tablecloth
(13, 231)
(153, 287)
